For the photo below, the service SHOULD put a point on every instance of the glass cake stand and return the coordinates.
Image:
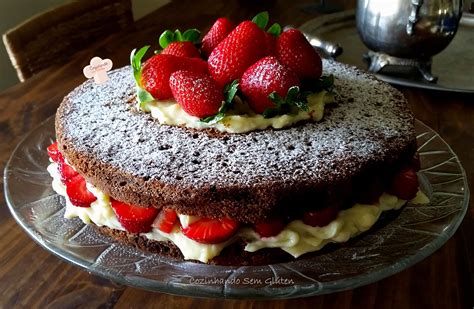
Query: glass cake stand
(412, 236)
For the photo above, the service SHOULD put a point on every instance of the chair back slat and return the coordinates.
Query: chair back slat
(52, 37)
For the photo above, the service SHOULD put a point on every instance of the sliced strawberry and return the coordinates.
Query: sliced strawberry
(67, 173)
(165, 220)
(219, 30)
(133, 218)
(264, 77)
(239, 50)
(54, 153)
(369, 191)
(320, 217)
(294, 51)
(211, 231)
(405, 184)
(181, 49)
(77, 192)
(156, 72)
(197, 93)
(270, 228)
(415, 162)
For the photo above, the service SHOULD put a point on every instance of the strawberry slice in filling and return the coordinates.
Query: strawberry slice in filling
(54, 153)
(67, 173)
(270, 227)
(77, 192)
(211, 231)
(165, 220)
(405, 184)
(133, 218)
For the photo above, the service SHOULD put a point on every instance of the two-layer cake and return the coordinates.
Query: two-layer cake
(239, 182)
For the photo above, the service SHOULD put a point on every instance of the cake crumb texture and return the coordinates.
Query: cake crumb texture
(248, 177)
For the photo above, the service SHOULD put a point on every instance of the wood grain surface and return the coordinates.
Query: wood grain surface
(32, 277)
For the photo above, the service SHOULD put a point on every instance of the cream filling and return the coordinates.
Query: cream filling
(296, 238)
(169, 112)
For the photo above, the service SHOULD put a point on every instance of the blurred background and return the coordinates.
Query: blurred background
(14, 12)
(71, 25)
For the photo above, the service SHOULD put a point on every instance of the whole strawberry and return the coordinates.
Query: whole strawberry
(219, 30)
(197, 93)
(156, 72)
(270, 44)
(239, 50)
(264, 77)
(181, 49)
(180, 44)
(294, 51)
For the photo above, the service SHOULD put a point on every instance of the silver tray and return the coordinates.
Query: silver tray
(454, 66)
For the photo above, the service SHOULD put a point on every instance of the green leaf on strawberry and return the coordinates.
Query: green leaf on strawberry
(191, 35)
(230, 91)
(261, 19)
(143, 96)
(294, 98)
(274, 29)
(168, 36)
(326, 82)
(136, 62)
(318, 85)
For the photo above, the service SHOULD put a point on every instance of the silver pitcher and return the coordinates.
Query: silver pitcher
(411, 29)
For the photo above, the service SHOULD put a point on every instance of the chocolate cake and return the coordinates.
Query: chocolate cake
(248, 177)
(240, 148)
(364, 139)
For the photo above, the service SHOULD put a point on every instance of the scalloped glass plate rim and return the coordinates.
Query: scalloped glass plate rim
(247, 293)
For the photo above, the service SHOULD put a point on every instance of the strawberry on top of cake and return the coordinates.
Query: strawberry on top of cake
(253, 79)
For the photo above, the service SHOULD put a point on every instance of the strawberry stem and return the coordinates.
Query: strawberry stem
(168, 36)
(230, 91)
(293, 98)
(261, 19)
(191, 35)
(296, 98)
(275, 29)
(136, 63)
(318, 85)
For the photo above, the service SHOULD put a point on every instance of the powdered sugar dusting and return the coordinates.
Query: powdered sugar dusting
(369, 121)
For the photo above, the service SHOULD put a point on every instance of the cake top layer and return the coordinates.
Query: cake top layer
(369, 123)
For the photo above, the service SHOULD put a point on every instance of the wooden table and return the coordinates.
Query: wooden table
(30, 276)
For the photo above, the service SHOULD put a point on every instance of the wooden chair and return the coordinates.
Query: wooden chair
(53, 36)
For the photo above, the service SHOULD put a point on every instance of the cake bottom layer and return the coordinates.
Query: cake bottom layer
(295, 239)
(235, 253)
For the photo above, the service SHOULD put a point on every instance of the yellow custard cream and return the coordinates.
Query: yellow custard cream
(170, 113)
(297, 238)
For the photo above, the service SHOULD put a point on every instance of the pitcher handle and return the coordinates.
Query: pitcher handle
(414, 16)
